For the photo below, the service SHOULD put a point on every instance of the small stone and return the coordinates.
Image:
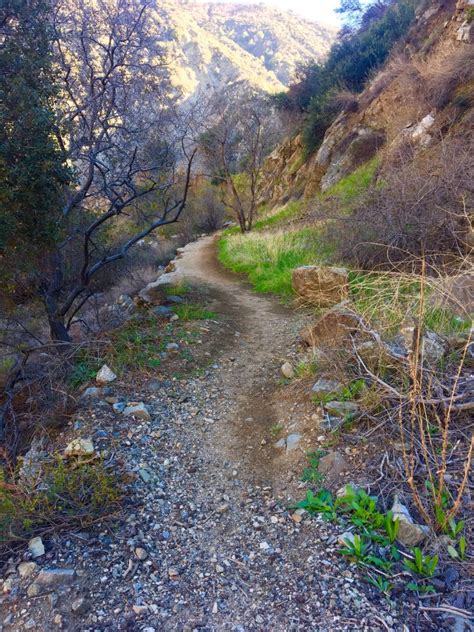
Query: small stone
(79, 447)
(332, 464)
(138, 410)
(409, 533)
(7, 584)
(292, 441)
(119, 407)
(93, 392)
(287, 370)
(219, 568)
(297, 517)
(144, 475)
(324, 387)
(346, 538)
(341, 409)
(172, 346)
(173, 574)
(141, 553)
(36, 547)
(140, 610)
(105, 375)
(26, 569)
(54, 578)
(80, 605)
(264, 546)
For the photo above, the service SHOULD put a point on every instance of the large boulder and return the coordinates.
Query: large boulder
(322, 286)
(333, 329)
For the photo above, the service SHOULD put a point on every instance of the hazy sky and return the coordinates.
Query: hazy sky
(319, 10)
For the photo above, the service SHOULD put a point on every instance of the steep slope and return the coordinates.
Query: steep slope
(423, 93)
(215, 45)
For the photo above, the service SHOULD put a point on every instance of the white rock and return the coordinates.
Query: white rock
(79, 447)
(26, 569)
(36, 547)
(287, 370)
(409, 533)
(346, 538)
(105, 376)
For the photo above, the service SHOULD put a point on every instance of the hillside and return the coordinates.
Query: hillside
(214, 45)
(423, 92)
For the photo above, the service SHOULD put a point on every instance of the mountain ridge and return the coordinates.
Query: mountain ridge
(213, 45)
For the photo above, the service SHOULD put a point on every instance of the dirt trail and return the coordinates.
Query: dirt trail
(206, 541)
(266, 330)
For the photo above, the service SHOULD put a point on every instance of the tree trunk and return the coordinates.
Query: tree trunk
(58, 330)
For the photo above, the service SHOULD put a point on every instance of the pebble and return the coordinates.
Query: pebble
(36, 547)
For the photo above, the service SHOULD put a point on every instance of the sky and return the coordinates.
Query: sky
(318, 10)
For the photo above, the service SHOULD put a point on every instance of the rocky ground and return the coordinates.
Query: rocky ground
(206, 540)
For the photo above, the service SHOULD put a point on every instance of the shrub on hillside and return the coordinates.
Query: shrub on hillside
(418, 207)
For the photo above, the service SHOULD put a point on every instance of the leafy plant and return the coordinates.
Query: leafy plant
(422, 564)
(187, 311)
(357, 548)
(391, 526)
(382, 584)
(321, 503)
(420, 588)
(310, 473)
(455, 553)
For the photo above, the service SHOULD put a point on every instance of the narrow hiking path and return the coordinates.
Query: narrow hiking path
(206, 541)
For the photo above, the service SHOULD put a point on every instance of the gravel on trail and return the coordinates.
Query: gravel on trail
(206, 540)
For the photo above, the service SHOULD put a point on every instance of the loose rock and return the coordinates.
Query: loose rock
(105, 375)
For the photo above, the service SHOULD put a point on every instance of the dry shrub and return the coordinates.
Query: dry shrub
(442, 75)
(419, 206)
(344, 100)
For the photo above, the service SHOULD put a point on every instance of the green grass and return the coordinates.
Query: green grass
(187, 311)
(269, 258)
(389, 301)
(176, 290)
(354, 185)
(289, 211)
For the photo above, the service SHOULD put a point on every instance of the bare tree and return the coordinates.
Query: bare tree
(118, 128)
(241, 134)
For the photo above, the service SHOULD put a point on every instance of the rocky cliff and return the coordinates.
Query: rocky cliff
(425, 91)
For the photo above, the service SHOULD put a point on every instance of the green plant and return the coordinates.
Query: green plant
(68, 492)
(422, 564)
(391, 526)
(382, 584)
(275, 430)
(321, 503)
(187, 311)
(420, 588)
(268, 258)
(455, 553)
(310, 473)
(176, 290)
(356, 548)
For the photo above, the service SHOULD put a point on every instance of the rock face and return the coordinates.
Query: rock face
(320, 285)
(409, 533)
(332, 329)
